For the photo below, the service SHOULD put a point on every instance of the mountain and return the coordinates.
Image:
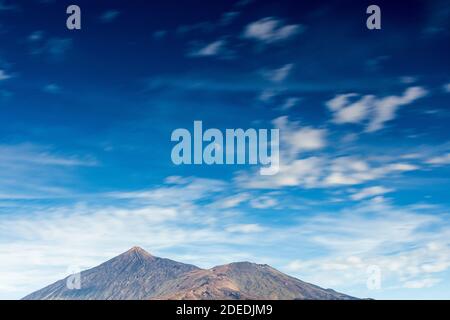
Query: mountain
(137, 275)
(244, 280)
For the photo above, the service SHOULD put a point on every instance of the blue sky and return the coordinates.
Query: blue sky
(86, 119)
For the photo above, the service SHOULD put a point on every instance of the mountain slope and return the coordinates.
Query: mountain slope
(244, 280)
(136, 274)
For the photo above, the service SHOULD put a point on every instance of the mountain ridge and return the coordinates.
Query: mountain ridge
(138, 275)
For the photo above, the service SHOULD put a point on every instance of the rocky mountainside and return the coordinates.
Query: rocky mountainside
(134, 274)
(137, 274)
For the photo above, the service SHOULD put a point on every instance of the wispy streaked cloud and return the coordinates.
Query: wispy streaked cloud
(439, 160)
(370, 192)
(244, 228)
(369, 107)
(279, 74)
(319, 168)
(159, 34)
(215, 48)
(4, 75)
(55, 48)
(270, 30)
(109, 16)
(29, 171)
(447, 87)
(33, 154)
(7, 6)
(228, 17)
(52, 88)
(368, 235)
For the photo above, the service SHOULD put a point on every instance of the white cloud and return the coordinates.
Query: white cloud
(159, 34)
(7, 7)
(267, 95)
(216, 48)
(203, 26)
(52, 88)
(399, 167)
(36, 36)
(376, 111)
(269, 30)
(339, 101)
(407, 244)
(228, 17)
(295, 266)
(280, 74)
(385, 108)
(318, 170)
(354, 112)
(302, 173)
(289, 103)
(440, 160)
(177, 180)
(263, 202)
(179, 191)
(244, 228)
(30, 171)
(349, 138)
(353, 170)
(109, 16)
(446, 87)
(323, 172)
(307, 139)
(243, 3)
(370, 192)
(407, 79)
(38, 155)
(4, 75)
(55, 48)
(295, 138)
(422, 283)
(348, 171)
(232, 201)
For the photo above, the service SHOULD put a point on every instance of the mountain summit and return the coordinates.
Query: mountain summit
(137, 275)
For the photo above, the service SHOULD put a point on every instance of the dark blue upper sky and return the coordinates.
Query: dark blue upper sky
(86, 119)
